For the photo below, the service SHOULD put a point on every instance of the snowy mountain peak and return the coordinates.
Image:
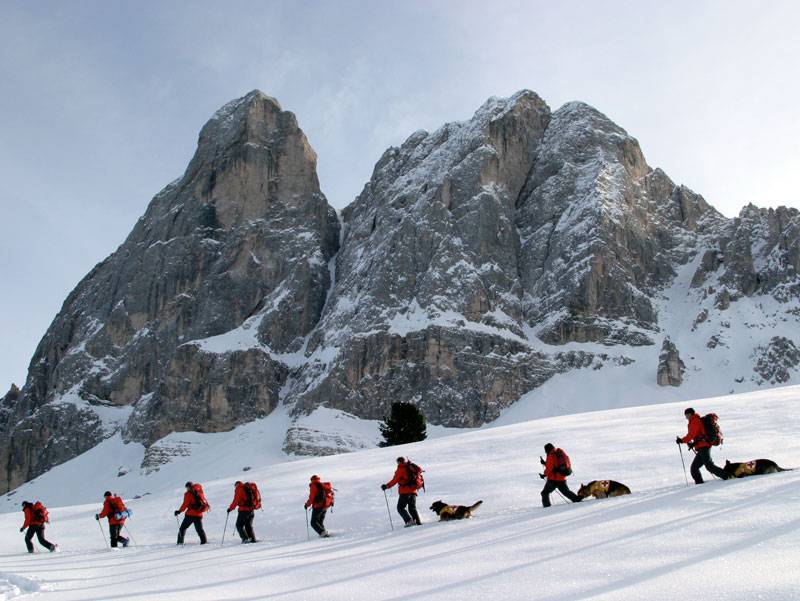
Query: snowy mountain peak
(522, 253)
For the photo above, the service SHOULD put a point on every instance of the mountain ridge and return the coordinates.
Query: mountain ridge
(480, 261)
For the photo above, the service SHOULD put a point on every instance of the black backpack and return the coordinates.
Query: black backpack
(713, 435)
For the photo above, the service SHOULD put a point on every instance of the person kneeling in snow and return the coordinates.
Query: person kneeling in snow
(116, 512)
(556, 469)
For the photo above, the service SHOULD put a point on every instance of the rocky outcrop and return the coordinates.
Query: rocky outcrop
(243, 238)
(670, 366)
(479, 261)
(775, 362)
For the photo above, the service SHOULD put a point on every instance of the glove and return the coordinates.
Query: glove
(542, 461)
(690, 445)
(305, 505)
(678, 439)
(22, 529)
(177, 512)
(97, 516)
(541, 476)
(383, 487)
(229, 510)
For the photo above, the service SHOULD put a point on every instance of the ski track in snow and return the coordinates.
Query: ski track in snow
(737, 539)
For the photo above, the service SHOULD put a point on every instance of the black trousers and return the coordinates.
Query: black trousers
(39, 532)
(244, 525)
(560, 485)
(188, 520)
(703, 459)
(318, 520)
(408, 500)
(114, 531)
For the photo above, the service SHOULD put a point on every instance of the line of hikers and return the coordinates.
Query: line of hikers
(703, 433)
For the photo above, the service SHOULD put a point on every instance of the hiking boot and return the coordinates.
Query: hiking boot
(125, 542)
(410, 523)
(54, 549)
(324, 534)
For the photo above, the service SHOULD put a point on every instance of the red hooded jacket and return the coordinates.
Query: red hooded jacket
(110, 512)
(316, 497)
(189, 500)
(240, 500)
(30, 520)
(401, 476)
(697, 432)
(550, 466)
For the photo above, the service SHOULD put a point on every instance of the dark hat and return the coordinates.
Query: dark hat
(548, 447)
(26, 503)
(107, 493)
(401, 460)
(689, 411)
(189, 483)
(314, 477)
(237, 483)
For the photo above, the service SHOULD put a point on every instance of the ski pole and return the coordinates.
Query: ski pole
(560, 494)
(105, 544)
(308, 533)
(225, 529)
(133, 540)
(683, 463)
(385, 498)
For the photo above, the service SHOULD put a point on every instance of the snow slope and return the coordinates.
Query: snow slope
(729, 540)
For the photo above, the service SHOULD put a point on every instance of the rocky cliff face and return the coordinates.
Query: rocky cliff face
(480, 261)
(245, 235)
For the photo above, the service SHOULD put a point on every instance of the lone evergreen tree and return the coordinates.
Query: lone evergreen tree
(405, 424)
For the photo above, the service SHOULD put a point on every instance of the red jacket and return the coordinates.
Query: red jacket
(109, 511)
(697, 432)
(240, 500)
(189, 500)
(30, 520)
(401, 473)
(550, 467)
(316, 498)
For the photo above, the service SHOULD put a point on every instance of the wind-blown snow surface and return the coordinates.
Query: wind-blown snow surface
(733, 540)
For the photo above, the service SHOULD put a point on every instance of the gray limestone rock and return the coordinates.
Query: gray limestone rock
(670, 366)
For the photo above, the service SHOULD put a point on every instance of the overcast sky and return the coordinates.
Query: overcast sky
(101, 103)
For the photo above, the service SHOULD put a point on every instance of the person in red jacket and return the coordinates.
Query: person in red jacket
(556, 478)
(114, 509)
(35, 519)
(195, 505)
(696, 439)
(316, 500)
(408, 492)
(246, 514)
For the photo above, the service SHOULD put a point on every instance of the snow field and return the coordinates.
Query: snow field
(735, 540)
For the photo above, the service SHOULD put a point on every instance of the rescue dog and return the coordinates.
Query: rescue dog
(453, 512)
(756, 467)
(600, 489)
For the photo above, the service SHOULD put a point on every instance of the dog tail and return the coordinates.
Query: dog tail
(476, 505)
(785, 469)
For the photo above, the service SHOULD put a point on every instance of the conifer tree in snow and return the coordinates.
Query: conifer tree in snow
(405, 424)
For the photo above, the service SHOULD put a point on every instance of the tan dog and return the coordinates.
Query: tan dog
(752, 468)
(600, 489)
(453, 512)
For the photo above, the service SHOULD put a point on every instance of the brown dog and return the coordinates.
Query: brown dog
(752, 468)
(453, 512)
(600, 489)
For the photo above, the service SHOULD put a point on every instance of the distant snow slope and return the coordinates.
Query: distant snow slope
(724, 540)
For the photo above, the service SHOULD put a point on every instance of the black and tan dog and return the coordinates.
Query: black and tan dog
(453, 512)
(600, 489)
(752, 468)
